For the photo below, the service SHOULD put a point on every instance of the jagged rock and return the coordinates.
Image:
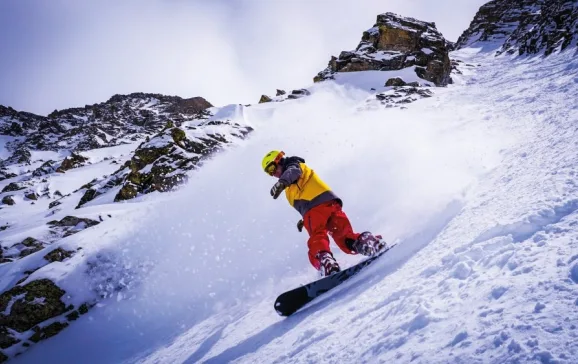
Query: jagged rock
(13, 187)
(264, 98)
(162, 163)
(31, 196)
(47, 331)
(46, 168)
(190, 106)
(105, 185)
(72, 221)
(53, 204)
(58, 255)
(395, 82)
(82, 309)
(21, 155)
(126, 117)
(87, 185)
(4, 174)
(6, 339)
(74, 315)
(72, 161)
(71, 225)
(89, 195)
(523, 26)
(402, 95)
(295, 94)
(31, 246)
(2, 258)
(8, 200)
(395, 43)
(280, 92)
(23, 307)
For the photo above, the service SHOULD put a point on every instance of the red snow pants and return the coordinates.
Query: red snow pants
(323, 219)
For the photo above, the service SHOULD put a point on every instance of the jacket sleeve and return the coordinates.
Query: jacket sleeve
(291, 174)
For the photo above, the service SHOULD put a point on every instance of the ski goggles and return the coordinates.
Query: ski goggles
(272, 166)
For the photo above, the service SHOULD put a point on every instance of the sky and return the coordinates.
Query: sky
(63, 54)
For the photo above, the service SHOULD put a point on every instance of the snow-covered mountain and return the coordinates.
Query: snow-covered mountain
(476, 181)
(524, 26)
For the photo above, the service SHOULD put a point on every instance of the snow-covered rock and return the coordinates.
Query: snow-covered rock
(524, 26)
(394, 43)
(126, 147)
(121, 119)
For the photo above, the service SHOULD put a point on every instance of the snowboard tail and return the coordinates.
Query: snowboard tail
(291, 301)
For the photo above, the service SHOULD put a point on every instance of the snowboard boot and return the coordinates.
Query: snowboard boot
(328, 264)
(367, 244)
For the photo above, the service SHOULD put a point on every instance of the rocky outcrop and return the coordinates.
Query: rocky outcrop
(264, 98)
(59, 255)
(46, 168)
(23, 307)
(5, 174)
(523, 26)
(72, 161)
(31, 195)
(121, 119)
(192, 106)
(296, 94)
(175, 136)
(402, 94)
(28, 246)
(395, 43)
(8, 200)
(162, 163)
(21, 155)
(11, 187)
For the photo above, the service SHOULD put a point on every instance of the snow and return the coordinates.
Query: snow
(476, 184)
(98, 155)
(384, 55)
(367, 80)
(4, 140)
(231, 112)
(46, 155)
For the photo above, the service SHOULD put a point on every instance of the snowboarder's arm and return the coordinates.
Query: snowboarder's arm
(291, 174)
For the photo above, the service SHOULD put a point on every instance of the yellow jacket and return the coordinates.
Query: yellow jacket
(305, 189)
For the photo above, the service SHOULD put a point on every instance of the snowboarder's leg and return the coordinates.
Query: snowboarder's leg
(340, 229)
(315, 221)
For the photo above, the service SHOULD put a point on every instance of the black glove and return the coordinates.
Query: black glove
(300, 225)
(278, 188)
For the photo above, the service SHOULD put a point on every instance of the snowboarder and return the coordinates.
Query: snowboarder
(321, 212)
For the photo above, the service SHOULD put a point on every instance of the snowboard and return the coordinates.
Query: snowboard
(291, 301)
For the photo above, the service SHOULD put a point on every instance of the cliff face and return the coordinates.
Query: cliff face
(394, 43)
(524, 26)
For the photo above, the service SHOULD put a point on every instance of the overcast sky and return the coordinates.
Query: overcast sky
(67, 53)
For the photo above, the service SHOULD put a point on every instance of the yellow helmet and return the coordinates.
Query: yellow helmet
(271, 158)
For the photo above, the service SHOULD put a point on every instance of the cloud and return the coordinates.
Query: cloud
(67, 54)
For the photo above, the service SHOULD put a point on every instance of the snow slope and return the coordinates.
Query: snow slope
(477, 184)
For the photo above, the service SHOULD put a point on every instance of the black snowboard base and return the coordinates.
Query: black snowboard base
(291, 301)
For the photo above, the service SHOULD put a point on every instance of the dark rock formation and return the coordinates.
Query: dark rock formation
(523, 26)
(72, 161)
(8, 200)
(395, 43)
(264, 98)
